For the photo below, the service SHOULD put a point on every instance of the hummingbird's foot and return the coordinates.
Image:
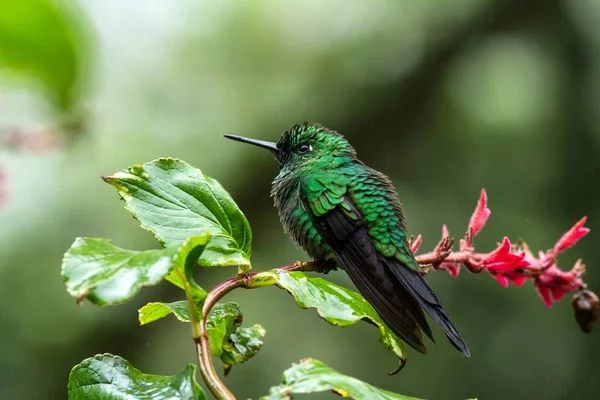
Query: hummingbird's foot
(324, 267)
(426, 268)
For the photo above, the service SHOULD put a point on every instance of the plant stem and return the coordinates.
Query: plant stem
(214, 383)
(191, 303)
(216, 386)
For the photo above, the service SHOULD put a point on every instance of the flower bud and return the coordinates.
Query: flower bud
(586, 306)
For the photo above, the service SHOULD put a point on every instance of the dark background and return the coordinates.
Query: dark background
(444, 97)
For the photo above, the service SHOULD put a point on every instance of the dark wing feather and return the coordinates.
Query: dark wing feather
(422, 292)
(352, 245)
(396, 292)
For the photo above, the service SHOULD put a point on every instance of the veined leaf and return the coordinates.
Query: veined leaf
(335, 304)
(228, 340)
(154, 311)
(312, 376)
(106, 274)
(174, 200)
(242, 344)
(106, 376)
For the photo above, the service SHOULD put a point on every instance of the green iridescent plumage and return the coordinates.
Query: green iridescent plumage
(347, 215)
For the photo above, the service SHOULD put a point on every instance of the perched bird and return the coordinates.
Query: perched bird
(345, 214)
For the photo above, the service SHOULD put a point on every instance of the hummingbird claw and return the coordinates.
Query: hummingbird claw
(425, 268)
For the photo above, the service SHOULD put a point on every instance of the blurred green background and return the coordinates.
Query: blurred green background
(444, 97)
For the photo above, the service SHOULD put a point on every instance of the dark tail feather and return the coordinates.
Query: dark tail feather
(397, 293)
(395, 307)
(414, 283)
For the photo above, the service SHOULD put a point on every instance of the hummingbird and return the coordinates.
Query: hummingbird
(347, 215)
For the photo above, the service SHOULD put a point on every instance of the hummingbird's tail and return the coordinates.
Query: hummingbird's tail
(398, 293)
(420, 291)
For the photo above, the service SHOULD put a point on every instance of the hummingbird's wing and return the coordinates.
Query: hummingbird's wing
(342, 227)
(391, 284)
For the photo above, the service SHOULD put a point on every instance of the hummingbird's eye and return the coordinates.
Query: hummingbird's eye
(304, 148)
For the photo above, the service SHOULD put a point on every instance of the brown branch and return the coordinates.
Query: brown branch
(207, 369)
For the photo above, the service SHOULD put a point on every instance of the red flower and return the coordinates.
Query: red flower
(503, 259)
(572, 236)
(517, 278)
(452, 268)
(553, 284)
(445, 232)
(517, 264)
(415, 244)
(480, 215)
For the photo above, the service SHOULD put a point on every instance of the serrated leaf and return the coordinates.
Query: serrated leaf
(154, 311)
(312, 376)
(106, 376)
(106, 274)
(227, 340)
(174, 200)
(335, 304)
(243, 344)
(41, 40)
(222, 321)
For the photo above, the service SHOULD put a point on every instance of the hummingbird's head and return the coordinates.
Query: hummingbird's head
(306, 145)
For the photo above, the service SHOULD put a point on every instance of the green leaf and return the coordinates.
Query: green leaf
(335, 304)
(41, 40)
(106, 376)
(105, 274)
(174, 278)
(174, 200)
(243, 344)
(227, 339)
(154, 311)
(222, 321)
(312, 376)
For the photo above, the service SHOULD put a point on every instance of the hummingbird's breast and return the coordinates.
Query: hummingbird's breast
(296, 221)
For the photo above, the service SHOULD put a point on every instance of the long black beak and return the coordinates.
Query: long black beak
(260, 143)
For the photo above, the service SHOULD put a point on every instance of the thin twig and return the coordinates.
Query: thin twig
(215, 384)
(461, 257)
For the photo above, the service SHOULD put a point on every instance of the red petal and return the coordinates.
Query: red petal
(452, 268)
(445, 232)
(501, 279)
(572, 236)
(517, 279)
(502, 260)
(414, 246)
(480, 215)
(557, 292)
(544, 293)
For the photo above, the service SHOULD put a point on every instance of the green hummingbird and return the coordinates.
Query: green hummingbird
(347, 215)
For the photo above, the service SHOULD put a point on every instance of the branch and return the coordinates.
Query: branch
(216, 386)
(517, 264)
(507, 263)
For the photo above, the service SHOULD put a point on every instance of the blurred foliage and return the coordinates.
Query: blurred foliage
(44, 41)
(444, 97)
